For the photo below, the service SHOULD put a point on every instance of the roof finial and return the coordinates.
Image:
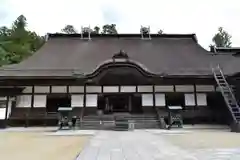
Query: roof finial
(145, 31)
(85, 30)
(120, 54)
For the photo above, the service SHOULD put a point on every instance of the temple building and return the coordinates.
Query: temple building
(127, 73)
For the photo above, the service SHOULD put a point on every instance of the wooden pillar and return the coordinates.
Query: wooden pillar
(106, 109)
(174, 88)
(84, 100)
(130, 103)
(50, 89)
(119, 88)
(154, 98)
(6, 112)
(67, 90)
(68, 95)
(32, 98)
(195, 107)
(29, 109)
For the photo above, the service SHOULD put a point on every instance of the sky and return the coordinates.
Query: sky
(202, 17)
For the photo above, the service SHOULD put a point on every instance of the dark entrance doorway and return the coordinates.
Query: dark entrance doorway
(55, 101)
(110, 103)
(119, 103)
(136, 104)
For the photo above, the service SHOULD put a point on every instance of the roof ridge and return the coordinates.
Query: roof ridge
(123, 35)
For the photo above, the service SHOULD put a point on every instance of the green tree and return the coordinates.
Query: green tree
(222, 38)
(69, 29)
(3, 55)
(17, 43)
(109, 29)
(4, 32)
(20, 23)
(96, 30)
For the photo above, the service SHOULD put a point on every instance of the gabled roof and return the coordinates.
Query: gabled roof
(166, 54)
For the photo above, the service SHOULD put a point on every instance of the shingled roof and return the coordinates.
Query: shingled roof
(167, 54)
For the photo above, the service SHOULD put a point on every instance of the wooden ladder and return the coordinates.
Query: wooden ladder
(227, 93)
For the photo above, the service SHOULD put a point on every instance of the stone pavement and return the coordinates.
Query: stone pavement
(139, 145)
(146, 145)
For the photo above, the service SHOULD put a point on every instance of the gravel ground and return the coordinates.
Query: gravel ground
(37, 146)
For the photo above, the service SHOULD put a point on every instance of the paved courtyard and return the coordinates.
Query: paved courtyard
(177, 144)
(163, 145)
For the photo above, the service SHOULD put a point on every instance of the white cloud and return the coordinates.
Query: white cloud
(202, 17)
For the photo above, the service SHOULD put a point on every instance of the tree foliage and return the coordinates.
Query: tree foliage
(222, 38)
(109, 29)
(69, 29)
(17, 43)
(96, 30)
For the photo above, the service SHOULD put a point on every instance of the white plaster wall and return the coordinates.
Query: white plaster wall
(184, 88)
(3, 98)
(189, 100)
(147, 99)
(77, 100)
(128, 89)
(2, 113)
(59, 89)
(145, 89)
(93, 89)
(91, 100)
(110, 89)
(41, 89)
(205, 88)
(40, 101)
(201, 99)
(76, 89)
(160, 100)
(23, 101)
(163, 88)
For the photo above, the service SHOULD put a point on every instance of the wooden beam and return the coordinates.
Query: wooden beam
(50, 89)
(67, 90)
(174, 88)
(130, 103)
(119, 88)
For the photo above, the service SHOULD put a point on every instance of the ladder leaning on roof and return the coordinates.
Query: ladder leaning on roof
(228, 96)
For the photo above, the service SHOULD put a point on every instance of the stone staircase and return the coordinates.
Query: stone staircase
(107, 122)
(96, 122)
(144, 121)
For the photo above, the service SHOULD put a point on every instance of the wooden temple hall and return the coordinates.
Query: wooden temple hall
(103, 75)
